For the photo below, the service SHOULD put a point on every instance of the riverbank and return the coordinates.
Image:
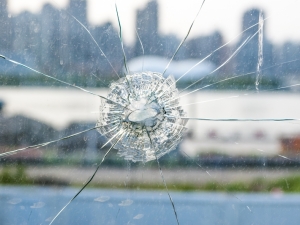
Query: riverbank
(235, 180)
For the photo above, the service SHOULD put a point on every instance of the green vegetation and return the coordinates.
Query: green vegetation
(288, 185)
(16, 175)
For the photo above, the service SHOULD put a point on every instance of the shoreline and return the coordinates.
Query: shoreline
(176, 179)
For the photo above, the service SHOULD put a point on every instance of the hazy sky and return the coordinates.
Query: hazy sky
(176, 16)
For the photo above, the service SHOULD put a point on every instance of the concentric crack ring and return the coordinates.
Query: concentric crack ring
(143, 116)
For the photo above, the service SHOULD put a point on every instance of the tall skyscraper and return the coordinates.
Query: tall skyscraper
(247, 58)
(78, 8)
(5, 28)
(49, 39)
(78, 39)
(250, 18)
(147, 28)
(108, 40)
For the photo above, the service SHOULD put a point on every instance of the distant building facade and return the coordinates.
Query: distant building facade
(5, 27)
(147, 28)
(55, 43)
(247, 58)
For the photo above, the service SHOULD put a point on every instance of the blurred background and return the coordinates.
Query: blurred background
(247, 157)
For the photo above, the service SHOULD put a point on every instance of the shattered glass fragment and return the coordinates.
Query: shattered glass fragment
(144, 107)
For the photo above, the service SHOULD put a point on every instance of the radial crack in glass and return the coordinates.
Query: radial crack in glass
(144, 108)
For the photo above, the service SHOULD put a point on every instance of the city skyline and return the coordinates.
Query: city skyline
(56, 43)
(175, 18)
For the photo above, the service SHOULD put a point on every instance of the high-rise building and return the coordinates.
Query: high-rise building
(289, 51)
(78, 8)
(108, 40)
(49, 39)
(147, 28)
(202, 46)
(250, 18)
(248, 55)
(5, 28)
(247, 59)
(78, 40)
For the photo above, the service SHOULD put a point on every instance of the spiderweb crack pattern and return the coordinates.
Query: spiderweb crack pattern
(144, 110)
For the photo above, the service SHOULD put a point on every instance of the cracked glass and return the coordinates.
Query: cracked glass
(166, 126)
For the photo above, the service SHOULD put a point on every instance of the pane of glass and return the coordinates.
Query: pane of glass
(151, 112)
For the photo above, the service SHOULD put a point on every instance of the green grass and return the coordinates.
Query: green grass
(15, 174)
(288, 185)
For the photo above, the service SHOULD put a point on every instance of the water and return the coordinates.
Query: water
(37, 205)
(61, 106)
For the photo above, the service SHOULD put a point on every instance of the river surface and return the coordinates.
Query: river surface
(59, 107)
(37, 205)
